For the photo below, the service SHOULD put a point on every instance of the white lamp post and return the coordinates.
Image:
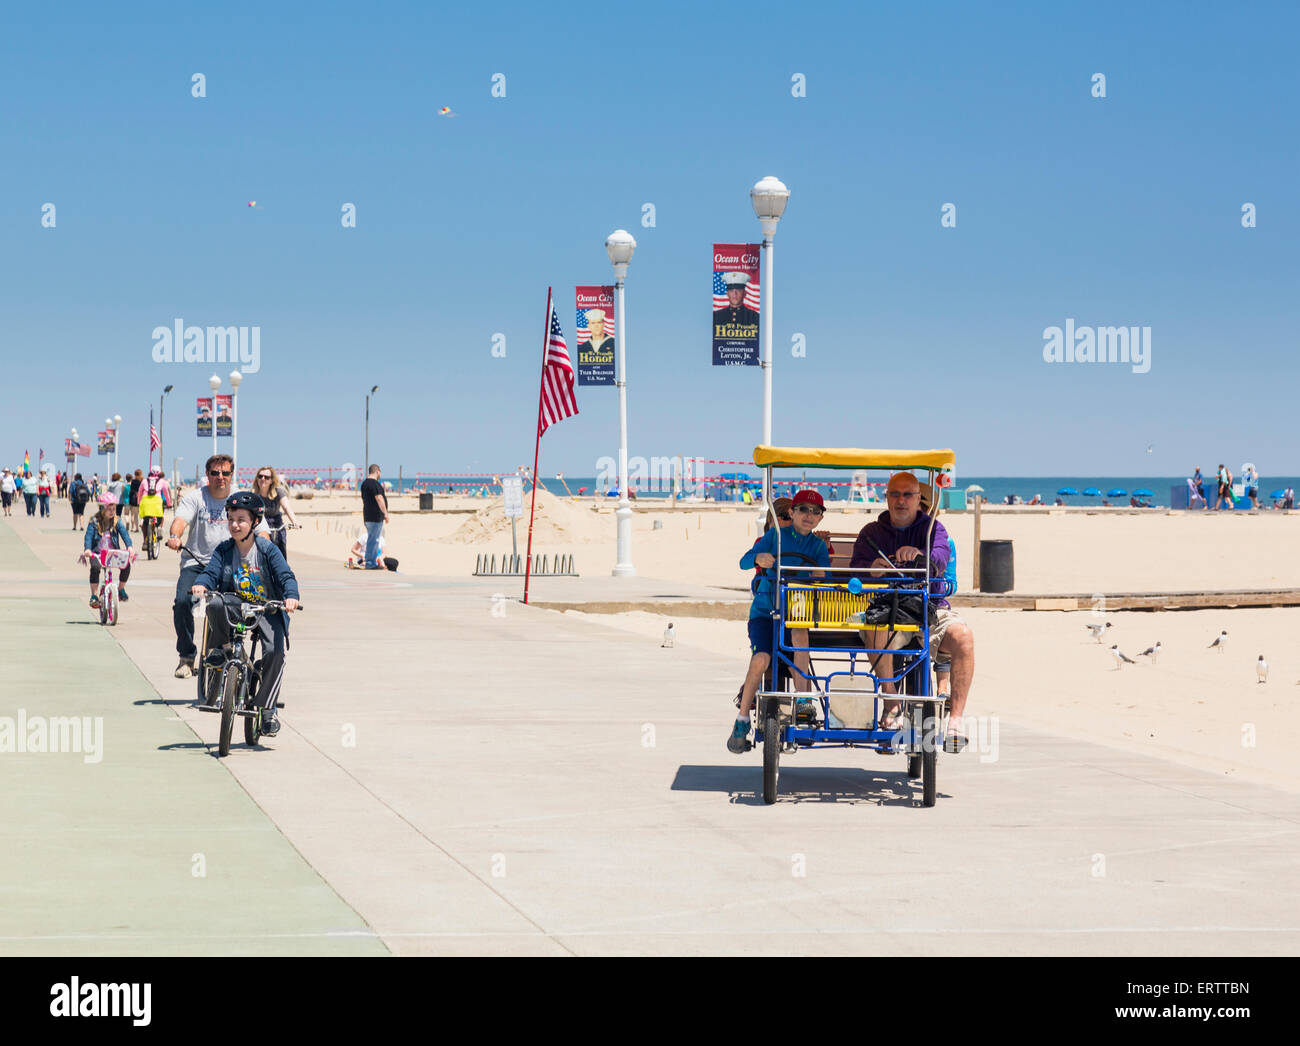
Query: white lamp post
(620, 245)
(769, 197)
(235, 379)
(214, 383)
(117, 442)
(72, 465)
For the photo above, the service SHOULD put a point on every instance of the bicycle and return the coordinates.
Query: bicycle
(280, 536)
(233, 672)
(110, 560)
(151, 537)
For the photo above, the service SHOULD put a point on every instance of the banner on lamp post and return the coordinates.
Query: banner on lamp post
(596, 330)
(203, 411)
(735, 304)
(225, 415)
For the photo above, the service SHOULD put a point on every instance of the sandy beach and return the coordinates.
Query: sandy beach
(1200, 707)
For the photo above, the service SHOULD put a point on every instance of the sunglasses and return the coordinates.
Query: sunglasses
(263, 475)
(218, 472)
(809, 508)
(784, 519)
(903, 493)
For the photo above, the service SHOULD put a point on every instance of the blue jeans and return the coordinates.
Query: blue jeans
(45, 503)
(372, 543)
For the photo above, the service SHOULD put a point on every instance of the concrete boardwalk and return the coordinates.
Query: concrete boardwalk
(468, 775)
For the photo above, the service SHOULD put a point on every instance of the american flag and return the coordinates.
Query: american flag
(154, 441)
(558, 401)
(584, 331)
(720, 293)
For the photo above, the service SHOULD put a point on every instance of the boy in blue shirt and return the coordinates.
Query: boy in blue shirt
(799, 547)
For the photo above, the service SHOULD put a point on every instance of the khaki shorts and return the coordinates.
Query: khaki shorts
(945, 617)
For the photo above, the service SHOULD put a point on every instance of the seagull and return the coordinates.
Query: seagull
(1119, 656)
(1097, 630)
(1152, 652)
(1261, 669)
(1221, 642)
(670, 637)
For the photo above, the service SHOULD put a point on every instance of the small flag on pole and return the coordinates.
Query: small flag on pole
(154, 442)
(558, 401)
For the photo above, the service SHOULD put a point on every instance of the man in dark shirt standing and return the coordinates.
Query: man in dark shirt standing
(374, 513)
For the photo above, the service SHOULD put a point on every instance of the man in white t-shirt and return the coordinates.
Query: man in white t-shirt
(203, 512)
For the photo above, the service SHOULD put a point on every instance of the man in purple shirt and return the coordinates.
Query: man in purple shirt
(896, 539)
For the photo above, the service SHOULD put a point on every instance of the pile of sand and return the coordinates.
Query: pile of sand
(557, 521)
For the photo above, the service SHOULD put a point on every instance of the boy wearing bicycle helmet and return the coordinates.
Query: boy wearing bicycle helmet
(249, 568)
(799, 546)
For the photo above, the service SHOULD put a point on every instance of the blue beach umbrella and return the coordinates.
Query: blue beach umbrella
(1092, 492)
(1143, 493)
(1067, 490)
(1279, 493)
(1117, 492)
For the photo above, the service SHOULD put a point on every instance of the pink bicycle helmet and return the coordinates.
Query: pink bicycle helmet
(107, 498)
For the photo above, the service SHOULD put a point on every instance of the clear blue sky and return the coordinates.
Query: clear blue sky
(1117, 211)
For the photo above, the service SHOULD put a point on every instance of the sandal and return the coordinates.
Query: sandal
(955, 742)
(891, 720)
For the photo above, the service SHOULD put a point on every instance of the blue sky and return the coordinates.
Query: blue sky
(1117, 211)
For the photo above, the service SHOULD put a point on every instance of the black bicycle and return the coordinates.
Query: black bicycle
(233, 671)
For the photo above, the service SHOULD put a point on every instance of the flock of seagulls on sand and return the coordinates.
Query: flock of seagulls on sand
(1098, 630)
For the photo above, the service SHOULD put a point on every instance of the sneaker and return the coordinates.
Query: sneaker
(185, 669)
(121, 594)
(270, 724)
(94, 602)
(738, 742)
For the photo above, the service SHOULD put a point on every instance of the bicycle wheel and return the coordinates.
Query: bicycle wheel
(109, 603)
(103, 605)
(771, 756)
(231, 678)
(201, 676)
(930, 754)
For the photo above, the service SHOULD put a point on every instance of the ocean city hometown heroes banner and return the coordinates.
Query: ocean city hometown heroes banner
(203, 411)
(107, 441)
(225, 415)
(595, 326)
(735, 304)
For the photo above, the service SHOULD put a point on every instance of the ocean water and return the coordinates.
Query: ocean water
(831, 486)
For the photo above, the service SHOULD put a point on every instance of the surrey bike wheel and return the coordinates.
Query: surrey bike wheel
(771, 755)
(929, 753)
(231, 678)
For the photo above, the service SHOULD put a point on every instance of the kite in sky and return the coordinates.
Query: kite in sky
(253, 203)
(444, 111)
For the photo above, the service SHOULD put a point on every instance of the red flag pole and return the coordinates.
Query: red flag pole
(537, 446)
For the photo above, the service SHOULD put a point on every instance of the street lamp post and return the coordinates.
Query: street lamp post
(769, 197)
(72, 465)
(620, 245)
(235, 379)
(365, 462)
(161, 398)
(214, 383)
(117, 442)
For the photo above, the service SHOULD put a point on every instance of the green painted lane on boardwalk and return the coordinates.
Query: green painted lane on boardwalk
(14, 553)
(138, 842)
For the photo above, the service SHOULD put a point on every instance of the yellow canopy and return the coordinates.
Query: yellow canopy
(812, 457)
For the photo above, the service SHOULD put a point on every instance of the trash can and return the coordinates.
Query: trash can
(997, 566)
(426, 501)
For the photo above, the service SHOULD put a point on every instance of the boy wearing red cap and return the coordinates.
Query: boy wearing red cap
(799, 546)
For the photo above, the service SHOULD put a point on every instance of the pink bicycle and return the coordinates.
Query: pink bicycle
(111, 560)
